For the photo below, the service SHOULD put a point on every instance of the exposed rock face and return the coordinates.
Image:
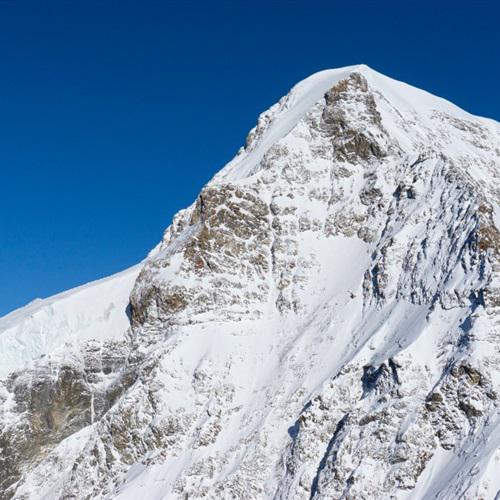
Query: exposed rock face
(228, 229)
(321, 323)
(57, 399)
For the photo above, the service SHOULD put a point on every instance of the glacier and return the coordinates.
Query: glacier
(322, 322)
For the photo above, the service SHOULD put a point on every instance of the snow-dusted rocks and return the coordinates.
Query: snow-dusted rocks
(322, 322)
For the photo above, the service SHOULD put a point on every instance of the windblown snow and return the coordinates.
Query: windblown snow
(97, 310)
(322, 322)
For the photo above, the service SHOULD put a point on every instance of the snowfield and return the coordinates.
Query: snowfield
(322, 322)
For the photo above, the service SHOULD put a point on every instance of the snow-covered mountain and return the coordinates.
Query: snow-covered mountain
(322, 322)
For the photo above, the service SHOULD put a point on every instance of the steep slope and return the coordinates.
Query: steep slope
(321, 323)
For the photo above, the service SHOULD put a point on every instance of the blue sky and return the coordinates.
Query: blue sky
(115, 113)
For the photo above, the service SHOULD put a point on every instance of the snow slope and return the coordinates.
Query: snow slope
(97, 310)
(323, 322)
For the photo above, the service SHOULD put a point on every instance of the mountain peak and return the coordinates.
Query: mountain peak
(440, 125)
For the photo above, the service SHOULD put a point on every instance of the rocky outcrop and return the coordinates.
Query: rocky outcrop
(56, 399)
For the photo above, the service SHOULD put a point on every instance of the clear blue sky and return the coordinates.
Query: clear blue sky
(115, 113)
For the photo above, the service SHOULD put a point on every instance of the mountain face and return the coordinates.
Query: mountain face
(321, 323)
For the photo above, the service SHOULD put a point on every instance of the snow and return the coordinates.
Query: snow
(97, 310)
